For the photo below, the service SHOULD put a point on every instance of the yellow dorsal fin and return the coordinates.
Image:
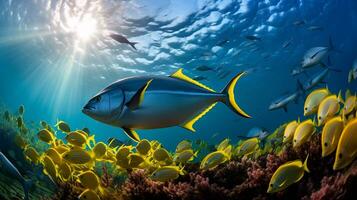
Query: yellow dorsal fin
(180, 75)
(189, 125)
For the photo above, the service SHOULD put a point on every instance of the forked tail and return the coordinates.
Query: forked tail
(230, 100)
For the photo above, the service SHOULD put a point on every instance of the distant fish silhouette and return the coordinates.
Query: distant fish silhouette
(204, 68)
(223, 42)
(122, 39)
(299, 23)
(253, 38)
(287, 43)
(200, 78)
(315, 28)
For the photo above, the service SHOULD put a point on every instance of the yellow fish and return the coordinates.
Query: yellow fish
(43, 124)
(79, 139)
(123, 151)
(20, 122)
(20, 141)
(89, 180)
(224, 144)
(166, 173)
(161, 154)
(303, 132)
(183, 145)
(350, 104)
(313, 100)
(185, 156)
(32, 155)
(123, 162)
(135, 160)
(63, 126)
(86, 130)
(99, 150)
(7, 116)
(247, 147)
(62, 148)
(77, 156)
(21, 110)
(347, 146)
(49, 167)
(287, 174)
(213, 159)
(143, 147)
(46, 136)
(65, 171)
(290, 130)
(110, 156)
(330, 136)
(88, 195)
(328, 108)
(54, 155)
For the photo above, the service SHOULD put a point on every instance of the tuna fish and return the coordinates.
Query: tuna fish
(315, 55)
(149, 102)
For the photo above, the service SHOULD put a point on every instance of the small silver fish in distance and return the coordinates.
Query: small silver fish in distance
(149, 102)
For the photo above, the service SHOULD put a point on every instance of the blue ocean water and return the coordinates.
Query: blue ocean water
(55, 55)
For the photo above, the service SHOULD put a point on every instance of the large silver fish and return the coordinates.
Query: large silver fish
(149, 102)
(283, 101)
(315, 55)
(9, 169)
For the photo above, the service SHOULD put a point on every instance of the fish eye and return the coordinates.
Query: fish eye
(320, 117)
(295, 140)
(306, 108)
(325, 144)
(271, 185)
(340, 155)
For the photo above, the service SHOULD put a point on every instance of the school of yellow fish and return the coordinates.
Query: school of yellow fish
(74, 157)
(337, 125)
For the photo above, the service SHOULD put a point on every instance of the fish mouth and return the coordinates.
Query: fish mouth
(87, 108)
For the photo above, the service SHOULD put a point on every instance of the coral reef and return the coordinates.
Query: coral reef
(248, 178)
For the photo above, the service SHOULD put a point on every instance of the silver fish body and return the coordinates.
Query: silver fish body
(149, 102)
(314, 56)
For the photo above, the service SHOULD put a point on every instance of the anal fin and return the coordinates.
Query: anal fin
(132, 134)
(189, 125)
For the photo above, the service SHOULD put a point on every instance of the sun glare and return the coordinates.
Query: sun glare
(86, 28)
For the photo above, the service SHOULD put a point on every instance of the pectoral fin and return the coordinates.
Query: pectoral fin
(285, 108)
(189, 125)
(138, 97)
(132, 134)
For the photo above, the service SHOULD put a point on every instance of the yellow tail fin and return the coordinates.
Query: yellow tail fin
(230, 98)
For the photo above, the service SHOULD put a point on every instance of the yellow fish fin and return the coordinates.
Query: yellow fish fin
(282, 184)
(138, 97)
(89, 140)
(305, 164)
(339, 97)
(189, 125)
(180, 75)
(132, 134)
(231, 101)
